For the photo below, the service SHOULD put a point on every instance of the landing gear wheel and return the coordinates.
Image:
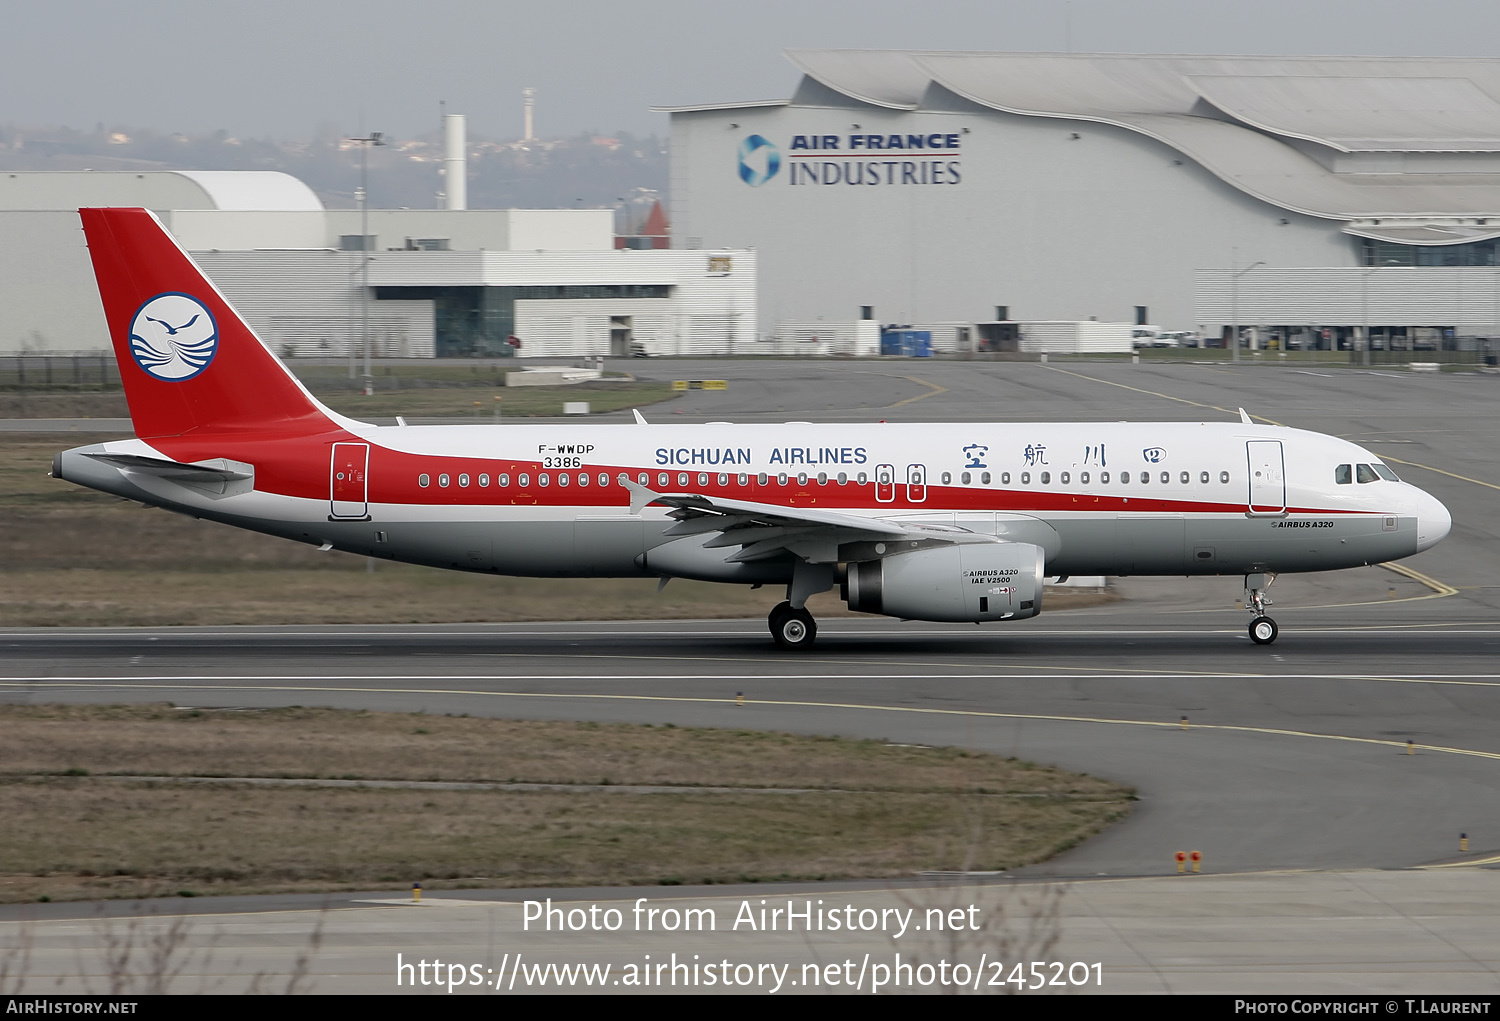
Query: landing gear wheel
(794, 630)
(1263, 631)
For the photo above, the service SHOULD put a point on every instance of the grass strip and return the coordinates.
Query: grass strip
(798, 808)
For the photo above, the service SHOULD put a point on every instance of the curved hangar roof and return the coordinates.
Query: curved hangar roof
(1274, 127)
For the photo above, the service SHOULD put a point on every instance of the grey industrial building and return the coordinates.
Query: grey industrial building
(1308, 199)
(451, 282)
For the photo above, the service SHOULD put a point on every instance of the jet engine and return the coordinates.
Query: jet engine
(964, 582)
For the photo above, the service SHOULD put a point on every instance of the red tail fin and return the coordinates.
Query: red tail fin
(187, 359)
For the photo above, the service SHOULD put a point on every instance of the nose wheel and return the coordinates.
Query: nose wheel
(793, 629)
(1263, 629)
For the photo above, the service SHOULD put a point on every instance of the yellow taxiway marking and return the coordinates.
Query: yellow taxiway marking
(1439, 589)
(858, 706)
(1493, 859)
(1154, 393)
(933, 391)
(1440, 471)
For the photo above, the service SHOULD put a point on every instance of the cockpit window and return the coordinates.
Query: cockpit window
(1343, 475)
(1365, 473)
(1384, 472)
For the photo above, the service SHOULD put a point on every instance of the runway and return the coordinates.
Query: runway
(1367, 737)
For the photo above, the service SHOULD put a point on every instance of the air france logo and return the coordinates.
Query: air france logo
(173, 337)
(759, 160)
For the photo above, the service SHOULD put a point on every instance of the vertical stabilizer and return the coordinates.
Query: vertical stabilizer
(187, 359)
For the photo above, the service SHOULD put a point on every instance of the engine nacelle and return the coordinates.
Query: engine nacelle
(967, 582)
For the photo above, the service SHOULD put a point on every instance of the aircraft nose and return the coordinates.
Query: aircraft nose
(1433, 521)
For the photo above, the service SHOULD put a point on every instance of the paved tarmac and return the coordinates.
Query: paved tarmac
(1294, 756)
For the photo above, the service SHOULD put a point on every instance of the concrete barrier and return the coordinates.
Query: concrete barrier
(550, 376)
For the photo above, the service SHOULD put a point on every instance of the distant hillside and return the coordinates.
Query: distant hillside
(586, 171)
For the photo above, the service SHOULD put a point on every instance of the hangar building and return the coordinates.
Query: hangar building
(442, 282)
(1315, 201)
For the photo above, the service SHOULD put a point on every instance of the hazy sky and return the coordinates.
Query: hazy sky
(282, 67)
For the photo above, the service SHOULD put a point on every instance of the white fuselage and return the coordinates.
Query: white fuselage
(1099, 498)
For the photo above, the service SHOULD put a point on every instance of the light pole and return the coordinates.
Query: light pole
(1234, 299)
(374, 138)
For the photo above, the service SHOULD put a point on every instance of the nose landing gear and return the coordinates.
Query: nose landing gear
(1263, 629)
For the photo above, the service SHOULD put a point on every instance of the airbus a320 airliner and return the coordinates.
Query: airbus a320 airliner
(934, 522)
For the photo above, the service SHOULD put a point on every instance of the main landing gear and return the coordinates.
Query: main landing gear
(1263, 629)
(793, 629)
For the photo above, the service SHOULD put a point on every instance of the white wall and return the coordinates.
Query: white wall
(1053, 226)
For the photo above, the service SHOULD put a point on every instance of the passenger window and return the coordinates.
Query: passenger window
(1005, 478)
(1124, 478)
(1104, 477)
(1026, 478)
(781, 478)
(503, 479)
(622, 478)
(762, 478)
(822, 478)
(1343, 475)
(723, 479)
(662, 480)
(1166, 477)
(1145, 477)
(424, 480)
(1064, 478)
(1083, 478)
(1364, 473)
(603, 479)
(1046, 478)
(1223, 476)
(744, 479)
(947, 477)
(682, 479)
(843, 478)
(802, 478)
(562, 479)
(463, 480)
(484, 480)
(442, 480)
(643, 479)
(583, 478)
(1186, 478)
(966, 478)
(543, 479)
(984, 479)
(1384, 472)
(863, 478)
(702, 479)
(1203, 478)
(523, 480)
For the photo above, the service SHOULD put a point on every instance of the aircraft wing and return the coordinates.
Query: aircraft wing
(765, 530)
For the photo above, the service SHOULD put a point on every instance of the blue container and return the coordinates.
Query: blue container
(908, 343)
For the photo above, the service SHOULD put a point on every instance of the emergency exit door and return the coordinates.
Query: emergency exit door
(916, 483)
(1267, 478)
(885, 483)
(348, 481)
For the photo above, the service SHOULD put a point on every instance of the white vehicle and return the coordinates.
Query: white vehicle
(957, 522)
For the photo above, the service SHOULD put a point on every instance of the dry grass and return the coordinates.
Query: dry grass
(869, 809)
(75, 557)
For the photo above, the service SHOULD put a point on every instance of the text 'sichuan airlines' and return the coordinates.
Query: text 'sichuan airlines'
(926, 522)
